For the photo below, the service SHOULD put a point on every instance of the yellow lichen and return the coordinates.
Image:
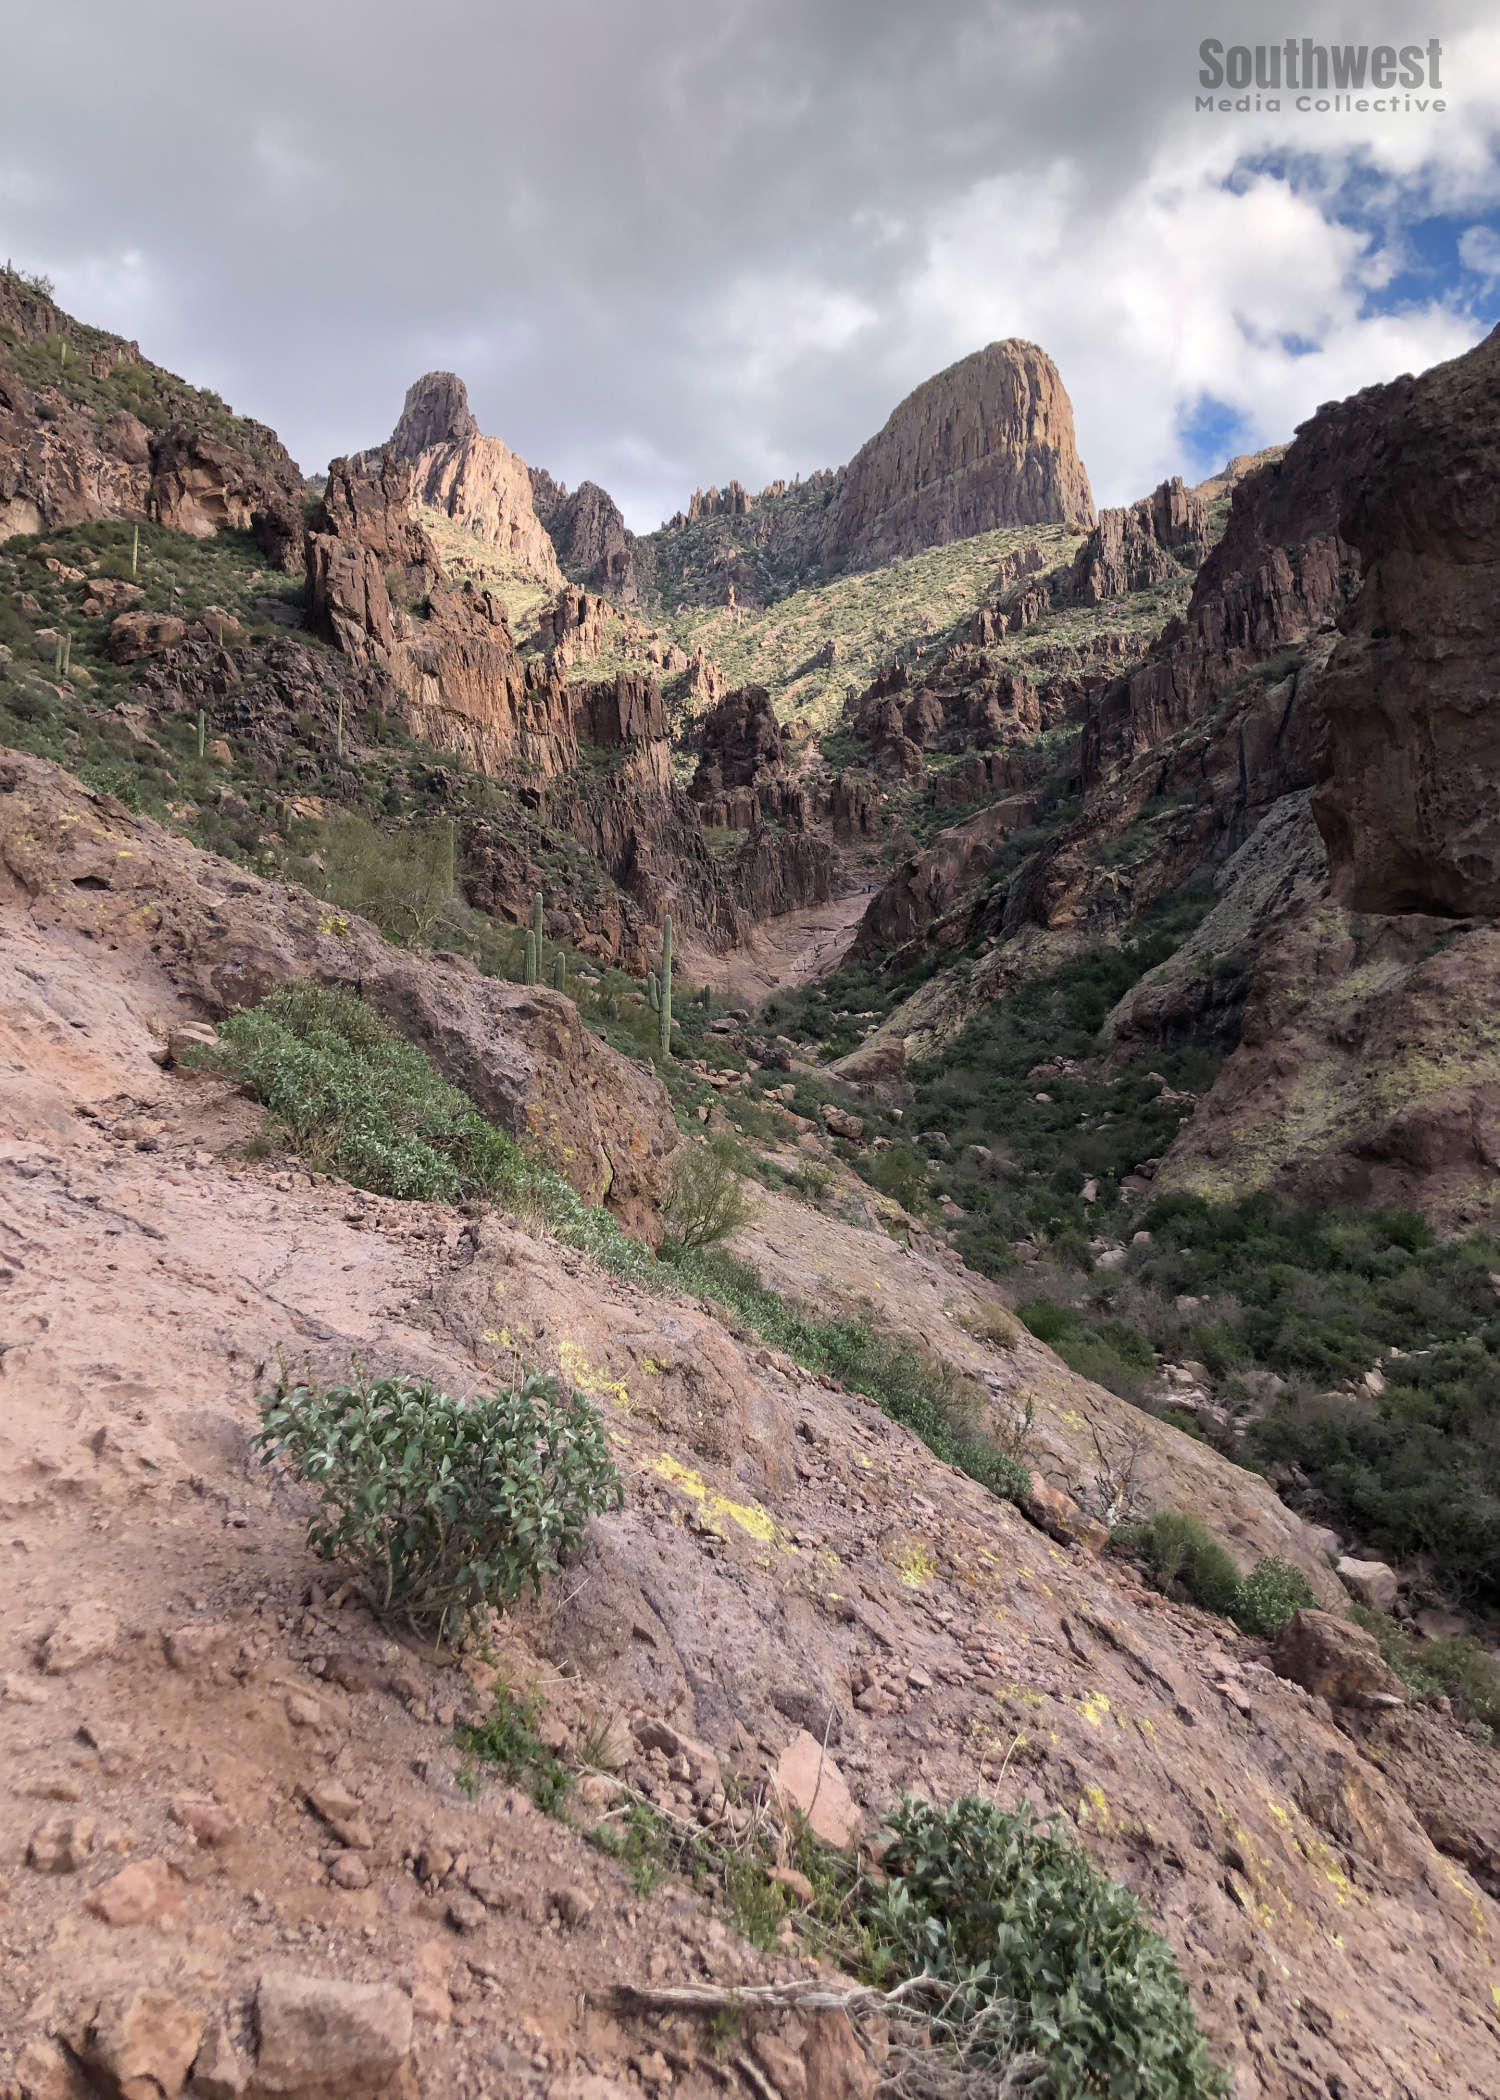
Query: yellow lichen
(749, 1516)
(581, 1373)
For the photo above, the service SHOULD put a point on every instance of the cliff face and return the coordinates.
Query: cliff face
(473, 479)
(986, 444)
(587, 529)
(1408, 808)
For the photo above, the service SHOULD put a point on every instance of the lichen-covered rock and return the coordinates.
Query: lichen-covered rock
(318, 2036)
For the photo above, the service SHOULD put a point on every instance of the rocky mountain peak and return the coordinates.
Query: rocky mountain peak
(436, 412)
(986, 444)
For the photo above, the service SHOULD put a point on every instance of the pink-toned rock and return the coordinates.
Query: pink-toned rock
(136, 1895)
(1336, 1661)
(195, 1647)
(207, 1821)
(349, 1871)
(86, 1631)
(808, 1780)
(140, 2044)
(1060, 1517)
(834, 2065)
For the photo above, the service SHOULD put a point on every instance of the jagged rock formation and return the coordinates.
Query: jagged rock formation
(589, 533)
(1129, 550)
(579, 628)
(70, 453)
(987, 443)
(741, 744)
(473, 479)
(462, 684)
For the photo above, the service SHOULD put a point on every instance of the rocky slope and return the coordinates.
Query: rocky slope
(235, 1844)
(90, 429)
(589, 533)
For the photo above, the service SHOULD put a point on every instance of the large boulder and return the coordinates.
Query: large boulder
(1336, 1661)
(316, 2036)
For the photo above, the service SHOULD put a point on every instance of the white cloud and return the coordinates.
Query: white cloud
(1479, 250)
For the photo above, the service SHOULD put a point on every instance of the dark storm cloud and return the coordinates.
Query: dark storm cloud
(664, 243)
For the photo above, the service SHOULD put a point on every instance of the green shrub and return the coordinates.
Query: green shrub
(507, 1739)
(1010, 1910)
(1269, 1597)
(1182, 1552)
(443, 1509)
(706, 1199)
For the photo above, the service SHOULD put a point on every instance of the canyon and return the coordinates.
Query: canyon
(438, 736)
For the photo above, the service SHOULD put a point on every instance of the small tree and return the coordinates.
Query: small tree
(705, 1196)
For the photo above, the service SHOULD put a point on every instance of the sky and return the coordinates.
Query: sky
(682, 240)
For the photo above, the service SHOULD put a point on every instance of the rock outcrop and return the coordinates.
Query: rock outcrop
(473, 479)
(740, 743)
(66, 459)
(987, 443)
(1408, 807)
(1129, 550)
(926, 885)
(456, 675)
(588, 531)
(213, 939)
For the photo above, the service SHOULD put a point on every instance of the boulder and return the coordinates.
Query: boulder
(85, 1632)
(139, 2044)
(808, 1780)
(1369, 1582)
(136, 1895)
(61, 1845)
(1060, 1517)
(137, 634)
(1336, 1661)
(335, 2040)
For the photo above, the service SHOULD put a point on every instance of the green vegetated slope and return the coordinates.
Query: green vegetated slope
(62, 359)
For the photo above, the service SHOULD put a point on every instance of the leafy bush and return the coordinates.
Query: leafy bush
(1007, 1909)
(403, 882)
(1183, 1555)
(1269, 1597)
(706, 1200)
(443, 1509)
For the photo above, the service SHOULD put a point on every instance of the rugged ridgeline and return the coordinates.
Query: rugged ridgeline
(89, 429)
(986, 445)
(1312, 730)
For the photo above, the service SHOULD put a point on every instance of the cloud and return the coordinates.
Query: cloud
(1479, 250)
(700, 238)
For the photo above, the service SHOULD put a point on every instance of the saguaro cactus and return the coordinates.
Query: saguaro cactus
(559, 972)
(528, 974)
(651, 994)
(536, 921)
(135, 550)
(664, 1017)
(202, 727)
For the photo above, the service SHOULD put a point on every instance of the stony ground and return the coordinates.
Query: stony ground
(226, 1790)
